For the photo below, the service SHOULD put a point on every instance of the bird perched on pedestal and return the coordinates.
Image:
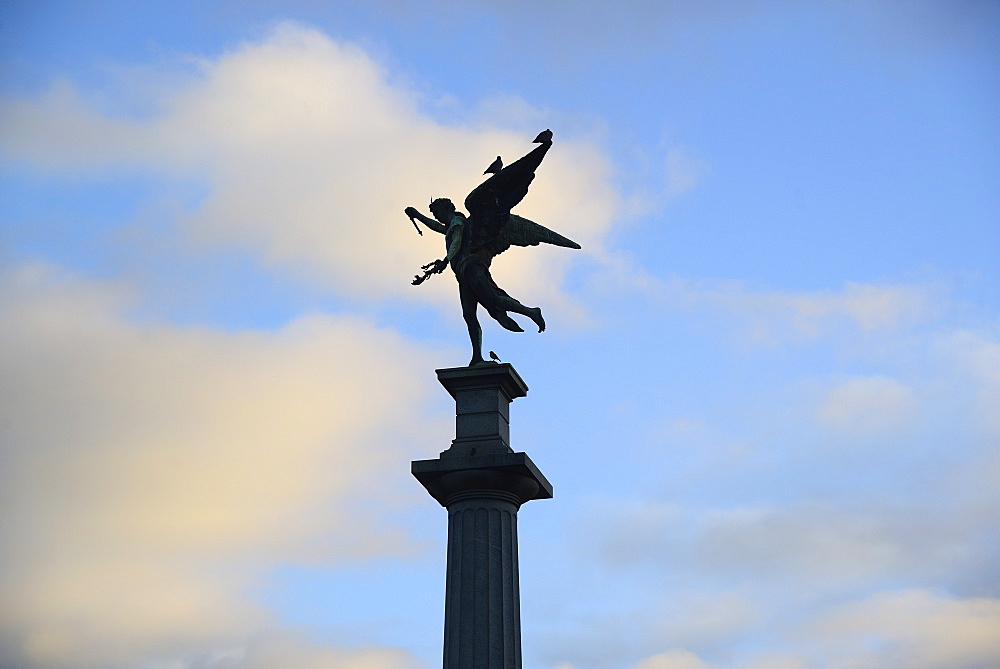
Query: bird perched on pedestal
(495, 166)
(494, 357)
(543, 136)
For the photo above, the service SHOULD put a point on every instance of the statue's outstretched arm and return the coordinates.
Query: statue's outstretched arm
(433, 224)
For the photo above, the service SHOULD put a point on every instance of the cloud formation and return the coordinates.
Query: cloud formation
(290, 650)
(868, 405)
(870, 491)
(911, 629)
(673, 659)
(776, 316)
(903, 629)
(152, 474)
(310, 153)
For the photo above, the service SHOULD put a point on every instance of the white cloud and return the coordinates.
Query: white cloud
(683, 659)
(778, 661)
(772, 316)
(763, 316)
(817, 548)
(905, 629)
(310, 155)
(673, 659)
(911, 629)
(151, 474)
(868, 405)
(294, 652)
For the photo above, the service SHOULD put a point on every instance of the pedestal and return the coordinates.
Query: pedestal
(482, 482)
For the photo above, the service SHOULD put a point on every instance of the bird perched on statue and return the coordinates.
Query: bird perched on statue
(494, 357)
(543, 136)
(495, 166)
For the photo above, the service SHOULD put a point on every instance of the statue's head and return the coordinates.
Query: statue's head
(443, 209)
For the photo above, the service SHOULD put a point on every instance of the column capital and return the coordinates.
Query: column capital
(450, 478)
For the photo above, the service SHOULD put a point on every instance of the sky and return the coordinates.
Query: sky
(767, 397)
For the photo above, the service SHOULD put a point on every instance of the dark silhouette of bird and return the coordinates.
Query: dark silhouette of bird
(495, 166)
(494, 357)
(543, 136)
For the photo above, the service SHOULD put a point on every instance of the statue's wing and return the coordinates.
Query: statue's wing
(520, 231)
(489, 208)
(490, 203)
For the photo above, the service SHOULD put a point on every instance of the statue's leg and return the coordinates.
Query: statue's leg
(508, 323)
(480, 284)
(508, 303)
(498, 302)
(534, 313)
(469, 306)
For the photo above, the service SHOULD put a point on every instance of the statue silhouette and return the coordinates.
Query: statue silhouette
(489, 229)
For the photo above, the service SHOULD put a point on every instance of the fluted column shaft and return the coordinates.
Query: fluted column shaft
(482, 618)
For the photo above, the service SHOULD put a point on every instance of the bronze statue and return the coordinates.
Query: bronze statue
(490, 229)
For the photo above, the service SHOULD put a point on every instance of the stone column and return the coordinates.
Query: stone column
(482, 482)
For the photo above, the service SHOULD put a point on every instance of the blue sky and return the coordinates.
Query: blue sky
(767, 397)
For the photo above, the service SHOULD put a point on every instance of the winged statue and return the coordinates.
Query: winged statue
(489, 229)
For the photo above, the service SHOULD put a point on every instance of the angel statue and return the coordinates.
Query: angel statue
(490, 229)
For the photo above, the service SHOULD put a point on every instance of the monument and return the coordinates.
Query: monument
(480, 479)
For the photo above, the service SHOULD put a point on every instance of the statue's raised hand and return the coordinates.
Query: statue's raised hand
(414, 215)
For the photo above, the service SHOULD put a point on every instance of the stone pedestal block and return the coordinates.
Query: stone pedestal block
(482, 482)
(482, 406)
